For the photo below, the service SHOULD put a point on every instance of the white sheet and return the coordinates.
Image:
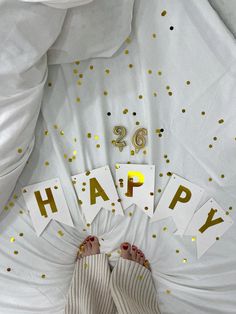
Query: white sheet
(199, 49)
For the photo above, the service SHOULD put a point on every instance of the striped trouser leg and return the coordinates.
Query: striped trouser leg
(89, 292)
(132, 289)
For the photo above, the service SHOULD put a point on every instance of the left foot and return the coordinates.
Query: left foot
(133, 254)
(90, 246)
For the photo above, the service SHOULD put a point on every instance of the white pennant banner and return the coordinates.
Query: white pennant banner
(179, 201)
(96, 190)
(46, 201)
(136, 185)
(209, 223)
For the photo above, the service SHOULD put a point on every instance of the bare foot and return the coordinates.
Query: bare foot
(134, 254)
(90, 246)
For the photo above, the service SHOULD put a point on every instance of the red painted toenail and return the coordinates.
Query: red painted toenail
(133, 248)
(92, 238)
(138, 252)
(142, 255)
(125, 247)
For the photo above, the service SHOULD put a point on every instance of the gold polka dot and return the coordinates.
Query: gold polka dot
(21, 234)
(168, 292)
(16, 252)
(203, 113)
(55, 126)
(77, 62)
(46, 132)
(187, 82)
(154, 35)
(165, 229)
(193, 239)
(107, 71)
(12, 239)
(78, 99)
(20, 150)
(62, 132)
(89, 135)
(140, 96)
(8, 269)
(132, 152)
(177, 251)
(222, 176)
(75, 71)
(163, 13)
(183, 110)
(184, 260)
(221, 121)
(154, 236)
(210, 146)
(130, 65)
(60, 233)
(81, 75)
(149, 71)
(43, 276)
(91, 67)
(88, 225)
(98, 146)
(126, 52)
(217, 238)
(170, 93)
(105, 93)
(130, 214)
(210, 179)
(46, 163)
(159, 73)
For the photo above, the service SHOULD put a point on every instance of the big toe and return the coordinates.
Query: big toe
(125, 250)
(95, 245)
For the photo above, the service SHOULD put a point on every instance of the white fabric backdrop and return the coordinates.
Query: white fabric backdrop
(154, 61)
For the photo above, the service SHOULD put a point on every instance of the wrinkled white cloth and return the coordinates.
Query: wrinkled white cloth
(61, 4)
(189, 42)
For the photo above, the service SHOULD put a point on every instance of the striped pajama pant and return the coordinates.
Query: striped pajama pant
(95, 289)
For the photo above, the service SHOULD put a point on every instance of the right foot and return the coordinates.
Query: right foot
(134, 254)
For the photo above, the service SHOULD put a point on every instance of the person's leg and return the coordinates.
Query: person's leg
(89, 291)
(131, 284)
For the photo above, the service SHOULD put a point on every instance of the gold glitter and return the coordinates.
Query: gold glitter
(43, 276)
(88, 225)
(221, 121)
(9, 269)
(126, 52)
(21, 234)
(49, 84)
(140, 96)
(165, 229)
(154, 236)
(130, 214)
(107, 71)
(159, 73)
(98, 146)
(105, 93)
(46, 163)
(55, 126)
(60, 233)
(130, 65)
(168, 292)
(149, 71)
(203, 113)
(62, 132)
(91, 67)
(46, 132)
(132, 152)
(222, 176)
(12, 239)
(16, 252)
(154, 35)
(78, 99)
(19, 150)
(188, 82)
(217, 238)
(177, 251)
(89, 135)
(163, 13)
(184, 260)
(193, 239)
(81, 75)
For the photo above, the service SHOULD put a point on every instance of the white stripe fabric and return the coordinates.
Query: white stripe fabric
(89, 291)
(128, 289)
(132, 289)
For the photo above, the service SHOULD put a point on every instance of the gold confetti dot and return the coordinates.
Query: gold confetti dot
(108, 254)
(43, 276)
(89, 135)
(227, 213)
(149, 71)
(140, 96)
(154, 236)
(87, 173)
(88, 225)
(210, 146)
(209, 179)
(113, 210)
(183, 110)
(140, 277)
(159, 190)
(6, 208)
(146, 208)
(154, 35)
(165, 229)
(96, 137)
(187, 82)
(16, 252)
(155, 94)
(91, 67)
(12, 239)
(160, 174)
(125, 111)
(126, 52)
(107, 71)
(77, 62)
(159, 73)
(11, 204)
(170, 93)
(55, 126)
(137, 123)
(217, 238)
(168, 292)
(215, 138)
(184, 260)
(167, 87)
(75, 71)
(177, 251)
(46, 132)
(203, 113)
(49, 84)
(98, 145)
(230, 208)
(128, 40)
(60, 233)
(193, 239)
(222, 176)
(79, 82)
(221, 121)
(46, 163)
(8, 269)
(130, 65)
(81, 75)
(78, 99)
(163, 13)
(105, 93)
(20, 150)
(132, 152)
(130, 214)
(62, 132)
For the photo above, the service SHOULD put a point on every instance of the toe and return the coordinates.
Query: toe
(125, 250)
(138, 256)
(142, 259)
(134, 252)
(95, 245)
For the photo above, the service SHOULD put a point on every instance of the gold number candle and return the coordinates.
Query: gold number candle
(121, 132)
(139, 140)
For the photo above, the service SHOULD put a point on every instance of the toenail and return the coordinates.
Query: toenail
(142, 255)
(133, 248)
(92, 238)
(125, 247)
(138, 252)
